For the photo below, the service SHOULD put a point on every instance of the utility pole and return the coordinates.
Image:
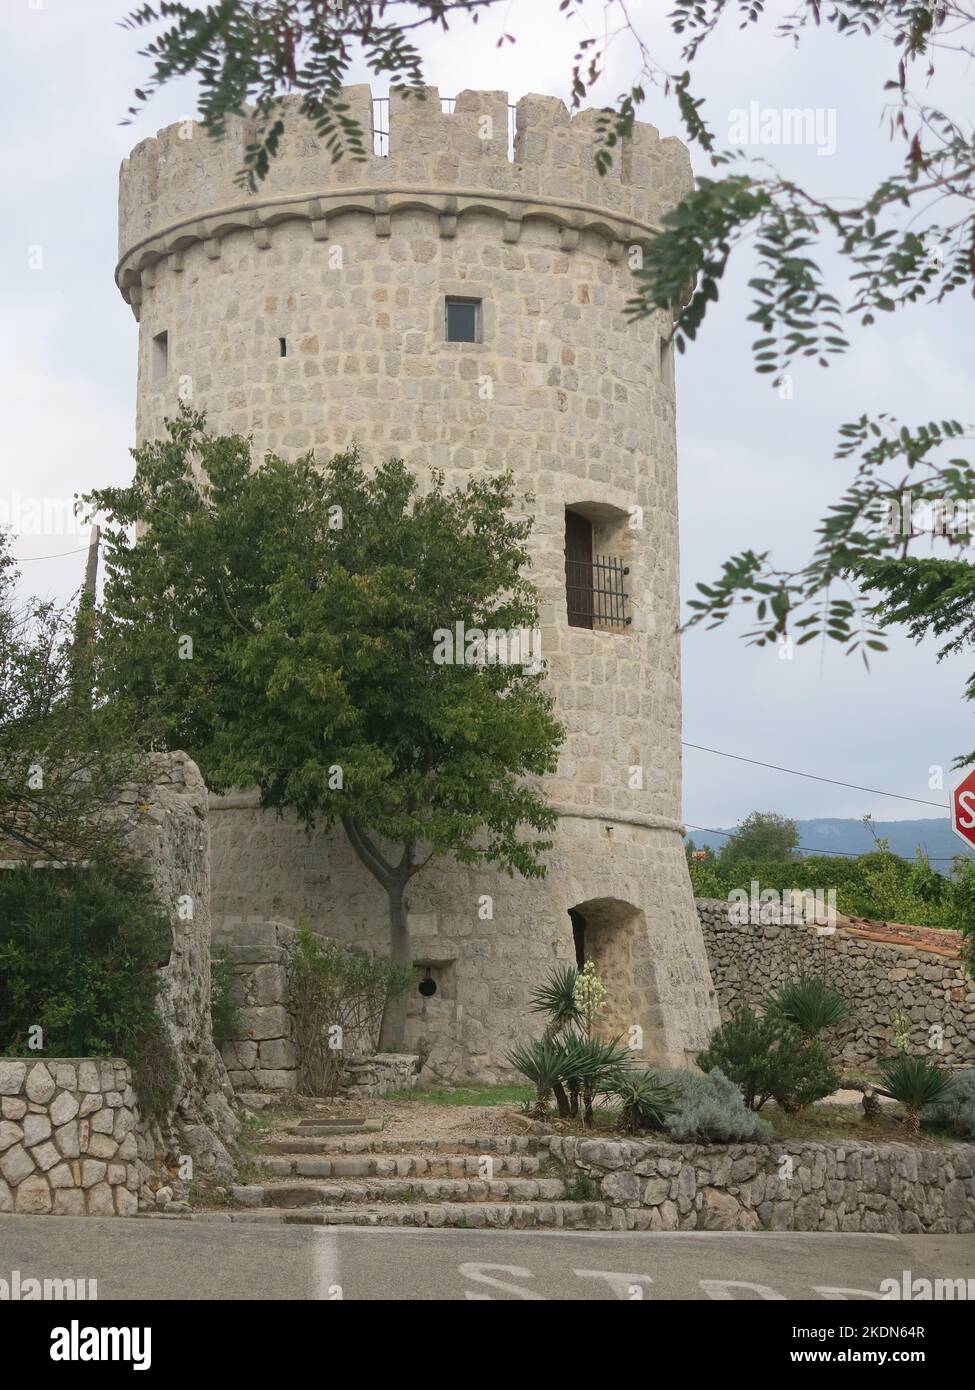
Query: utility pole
(91, 569)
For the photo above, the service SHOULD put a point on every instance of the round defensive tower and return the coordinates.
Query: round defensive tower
(462, 309)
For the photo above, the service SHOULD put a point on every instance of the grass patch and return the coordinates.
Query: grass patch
(201, 1193)
(828, 1122)
(468, 1095)
(254, 1125)
(580, 1186)
(583, 1188)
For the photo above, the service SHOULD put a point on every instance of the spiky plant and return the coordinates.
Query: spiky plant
(541, 1061)
(915, 1082)
(590, 1067)
(645, 1100)
(810, 1004)
(556, 997)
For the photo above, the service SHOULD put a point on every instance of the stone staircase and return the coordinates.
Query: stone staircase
(330, 1179)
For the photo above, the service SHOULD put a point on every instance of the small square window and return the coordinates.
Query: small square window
(463, 320)
(160, 356)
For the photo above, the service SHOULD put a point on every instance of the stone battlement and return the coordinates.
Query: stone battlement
(179, 188)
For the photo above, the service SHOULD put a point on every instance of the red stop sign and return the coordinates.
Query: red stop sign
(963, 808)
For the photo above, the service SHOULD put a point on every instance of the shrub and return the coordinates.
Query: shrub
(963, 905)
(956, 1109)
(916, 1082)
(711, 1110)
(766, 1058)
(80, 950)
(879, 885)
(540, 1062)
(645, 1100)
(223, 1008)
(338, 997)
(810, 1004)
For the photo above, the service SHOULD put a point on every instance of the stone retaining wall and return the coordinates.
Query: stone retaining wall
(793, 1186)
(68, 1137)
(926, 985)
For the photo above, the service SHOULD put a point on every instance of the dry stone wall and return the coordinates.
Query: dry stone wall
(779, 1187)
(891, 986)
(68, 1143)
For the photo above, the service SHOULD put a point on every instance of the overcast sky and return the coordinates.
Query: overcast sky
(756, 470)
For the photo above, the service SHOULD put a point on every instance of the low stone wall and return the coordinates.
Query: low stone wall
(370, 1078)
(68, 1137)
(881, 974)
(264, 1057)
(779, 1187)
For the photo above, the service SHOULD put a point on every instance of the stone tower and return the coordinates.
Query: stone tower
(463, 309)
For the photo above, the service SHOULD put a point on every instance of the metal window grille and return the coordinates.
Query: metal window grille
(595, 593)
(380, 124)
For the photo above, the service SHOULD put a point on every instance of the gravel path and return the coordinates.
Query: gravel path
(406, 1120)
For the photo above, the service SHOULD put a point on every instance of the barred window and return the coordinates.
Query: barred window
(596, 596)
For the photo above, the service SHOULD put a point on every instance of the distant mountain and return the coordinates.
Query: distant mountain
(834, 835)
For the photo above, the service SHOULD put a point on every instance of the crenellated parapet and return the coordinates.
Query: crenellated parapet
(179, 189)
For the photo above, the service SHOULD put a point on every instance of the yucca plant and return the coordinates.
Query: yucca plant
(645, 1100)
(557, 998)
(541, 1061)
(810, 1004)
(915, 1082)
(589, 1067)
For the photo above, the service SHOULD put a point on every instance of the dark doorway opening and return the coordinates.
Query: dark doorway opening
(578, 936)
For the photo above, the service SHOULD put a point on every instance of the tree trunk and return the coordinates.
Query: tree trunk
(562, 1100)
(394, 878)
(392, 1034)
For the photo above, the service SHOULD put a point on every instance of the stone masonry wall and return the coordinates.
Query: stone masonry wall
(926, 985)
(780, 1187)
(68, 1137)
(264, 1056)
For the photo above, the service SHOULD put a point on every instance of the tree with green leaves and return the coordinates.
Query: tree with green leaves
(907, 239)
(63, 755)
(762, 835)
(300, 628)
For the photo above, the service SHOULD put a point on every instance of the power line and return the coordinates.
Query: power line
(26, 559)
(898, 796)
(835, 853)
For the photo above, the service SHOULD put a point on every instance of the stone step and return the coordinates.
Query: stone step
(384, 1190)
(485, 1144)
(328, 1128)
(400, 1165)
(580, 1216)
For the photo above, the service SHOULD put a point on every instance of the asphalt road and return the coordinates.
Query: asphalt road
(211, 1260)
